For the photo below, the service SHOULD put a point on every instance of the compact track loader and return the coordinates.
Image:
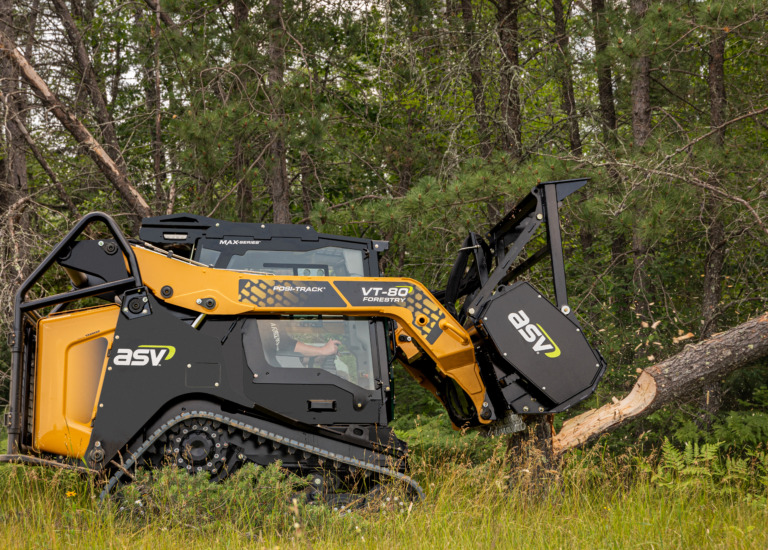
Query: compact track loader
(209, 344)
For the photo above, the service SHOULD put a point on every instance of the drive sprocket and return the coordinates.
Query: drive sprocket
(198, 446)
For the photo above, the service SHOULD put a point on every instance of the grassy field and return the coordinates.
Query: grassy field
(690, 499)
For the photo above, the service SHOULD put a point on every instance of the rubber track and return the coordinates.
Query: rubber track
(277, 438)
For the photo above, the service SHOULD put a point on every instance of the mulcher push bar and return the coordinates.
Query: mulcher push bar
(505, 242)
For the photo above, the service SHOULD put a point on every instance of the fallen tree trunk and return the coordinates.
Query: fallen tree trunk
(675, 379)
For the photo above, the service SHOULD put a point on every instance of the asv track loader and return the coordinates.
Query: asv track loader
(208, 344)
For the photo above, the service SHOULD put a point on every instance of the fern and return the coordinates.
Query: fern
(742, 429)
(703, 466)
(695, 465)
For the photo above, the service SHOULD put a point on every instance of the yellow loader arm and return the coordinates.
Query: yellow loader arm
(207, 290)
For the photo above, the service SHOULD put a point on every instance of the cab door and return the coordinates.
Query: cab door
(317, 369)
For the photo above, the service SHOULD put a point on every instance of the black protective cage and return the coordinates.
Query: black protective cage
(22, 338)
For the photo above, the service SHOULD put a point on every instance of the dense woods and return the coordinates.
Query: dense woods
(415, 121)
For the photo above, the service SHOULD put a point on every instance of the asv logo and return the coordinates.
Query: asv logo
(143, 356)
(534, 334)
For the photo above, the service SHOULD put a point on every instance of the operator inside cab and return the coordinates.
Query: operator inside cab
(339, 346)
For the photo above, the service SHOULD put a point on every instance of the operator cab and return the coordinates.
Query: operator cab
(279, 249)
(290, 367)
(269, 257)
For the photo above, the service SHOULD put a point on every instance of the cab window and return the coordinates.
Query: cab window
(339, 346)
(329, 261)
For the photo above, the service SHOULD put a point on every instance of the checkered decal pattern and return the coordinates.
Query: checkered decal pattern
(389, 294)
(419, 305)
(262, 294)
(290, 294)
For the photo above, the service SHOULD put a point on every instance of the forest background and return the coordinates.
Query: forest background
(415, 122)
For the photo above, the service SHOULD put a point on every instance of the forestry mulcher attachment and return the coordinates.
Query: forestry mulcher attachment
(209, 344)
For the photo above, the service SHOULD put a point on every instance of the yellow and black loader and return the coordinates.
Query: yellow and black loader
(219, 343)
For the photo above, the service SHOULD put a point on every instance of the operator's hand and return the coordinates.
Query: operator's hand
(331, 347)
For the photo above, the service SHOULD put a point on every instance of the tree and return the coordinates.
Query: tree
(105, 163)
(476, 76)
(14, 165)
(507, 13)
(566, 78)
(603, 72)
(277, 176)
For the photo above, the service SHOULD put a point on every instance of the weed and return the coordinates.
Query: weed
(677, 497)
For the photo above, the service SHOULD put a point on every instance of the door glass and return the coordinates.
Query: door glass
(337, 345)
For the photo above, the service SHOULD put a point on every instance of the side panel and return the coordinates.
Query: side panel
(158, 360)
(71, 358)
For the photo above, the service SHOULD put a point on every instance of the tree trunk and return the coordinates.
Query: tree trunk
(509, 86)
(531, 455)
(640, 282)
(14, 161)
(307, 175)
(35, 150)
(154, 99)
(676, 379)
(244, 186)
(94, 149)
(716, 238)
(641, 82)
(476, 77)
(641, 129)
(277, 174)
(93, 87)
(716, 232)
(13, 156)
(566, 77)
(604, 77)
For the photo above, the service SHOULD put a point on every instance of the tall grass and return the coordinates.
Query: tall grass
(692, 499)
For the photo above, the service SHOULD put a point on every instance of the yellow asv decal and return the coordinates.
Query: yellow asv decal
(534, 334)
(172, 350)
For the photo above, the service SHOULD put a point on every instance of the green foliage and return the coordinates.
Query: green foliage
(433, 438)
(255, 498)
(742, 428)
(596, 500)
(702, 466)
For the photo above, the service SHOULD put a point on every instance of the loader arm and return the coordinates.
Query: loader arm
(210, 291)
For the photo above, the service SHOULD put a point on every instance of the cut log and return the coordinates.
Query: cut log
(676, 379)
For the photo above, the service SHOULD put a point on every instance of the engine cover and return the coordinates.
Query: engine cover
(542, 345)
